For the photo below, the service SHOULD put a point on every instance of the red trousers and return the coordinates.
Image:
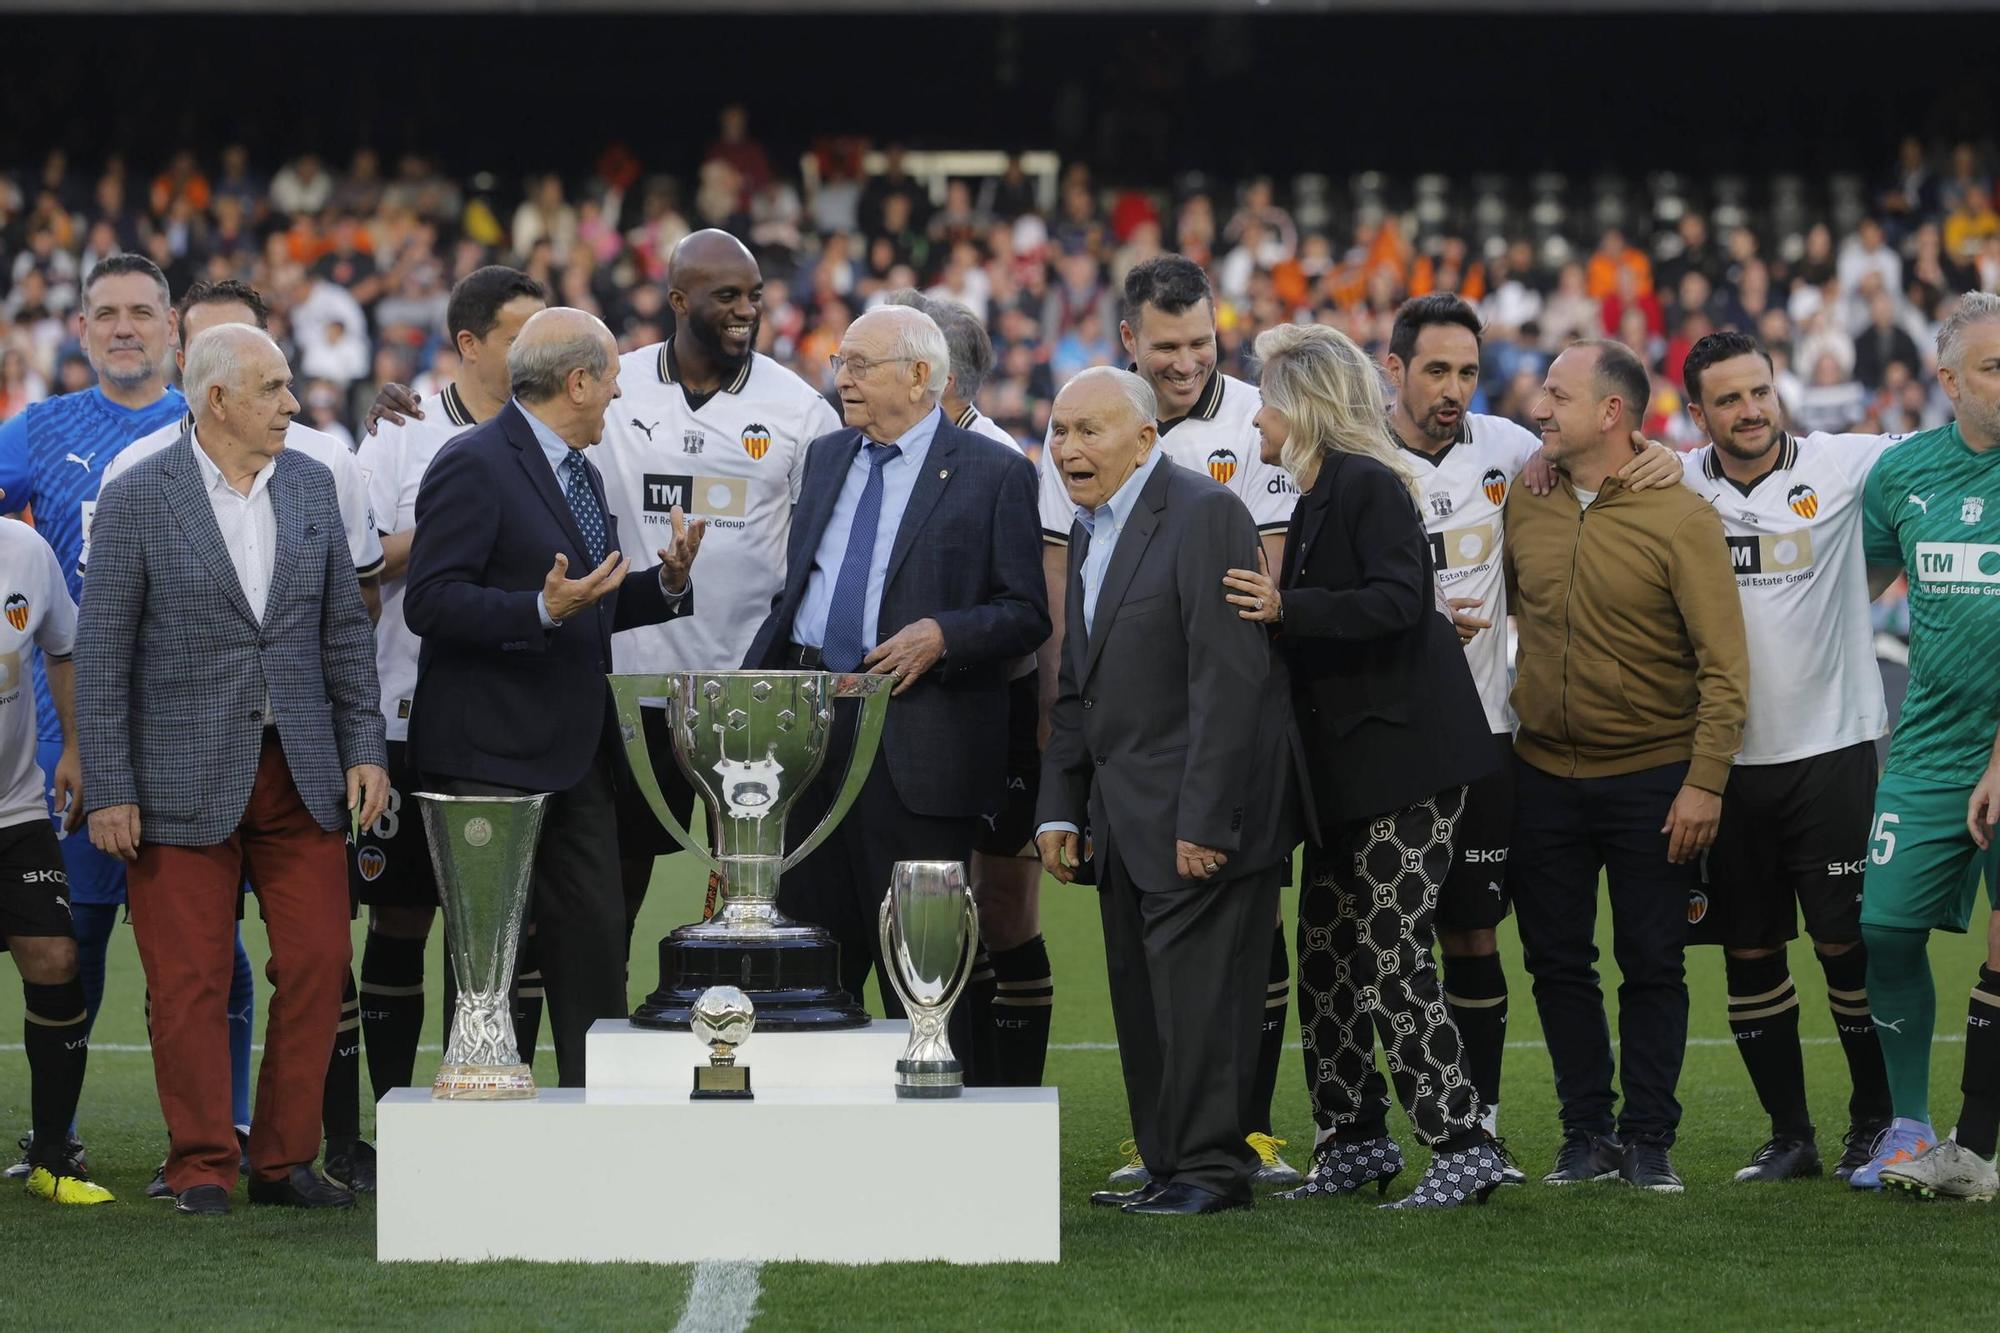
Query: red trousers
(183, 904)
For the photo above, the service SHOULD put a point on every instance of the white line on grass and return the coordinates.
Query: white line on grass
(721, 1299)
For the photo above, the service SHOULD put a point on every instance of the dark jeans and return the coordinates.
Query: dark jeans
(1567, 830)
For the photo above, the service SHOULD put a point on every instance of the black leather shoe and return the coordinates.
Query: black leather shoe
(1185, 1201)
(1146, 1193)
(351, 1165)
(202, 1201)
(303, 1188)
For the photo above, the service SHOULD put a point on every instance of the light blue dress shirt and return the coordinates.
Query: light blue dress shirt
(899, 479)
(556, 449)
(1103, 525)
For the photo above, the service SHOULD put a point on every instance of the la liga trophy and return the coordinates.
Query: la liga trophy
(483, 849)
(751, 742)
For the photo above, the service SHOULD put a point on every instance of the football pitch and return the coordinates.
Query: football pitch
(1803, 1254)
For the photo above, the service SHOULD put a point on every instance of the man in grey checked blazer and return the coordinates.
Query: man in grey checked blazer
(227, 698)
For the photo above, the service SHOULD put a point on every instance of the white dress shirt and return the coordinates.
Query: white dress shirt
(249, 527)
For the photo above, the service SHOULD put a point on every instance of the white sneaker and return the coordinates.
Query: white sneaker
(1946, 1172)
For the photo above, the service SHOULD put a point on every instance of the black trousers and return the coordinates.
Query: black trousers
(1189, 965)
(1367, 928)
(1566, 831)
(840, 886)
(578, 907)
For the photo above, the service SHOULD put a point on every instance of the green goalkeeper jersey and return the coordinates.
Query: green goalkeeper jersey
(1932, 505)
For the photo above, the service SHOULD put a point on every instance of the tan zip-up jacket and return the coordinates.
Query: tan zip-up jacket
(1631, 651)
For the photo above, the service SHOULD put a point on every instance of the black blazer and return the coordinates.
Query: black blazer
(500, 699)
(1386, 705)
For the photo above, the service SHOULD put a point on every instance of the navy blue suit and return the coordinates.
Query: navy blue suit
(504, 706)
(968, 555)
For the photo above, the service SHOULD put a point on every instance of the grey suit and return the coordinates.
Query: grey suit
(172, 667)
(1171, 722)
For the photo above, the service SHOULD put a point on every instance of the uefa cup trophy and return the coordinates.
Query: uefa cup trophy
(483, 849)
(930, 933)
(751, 742)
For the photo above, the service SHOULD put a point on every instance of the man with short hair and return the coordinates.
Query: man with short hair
(52, 459)
(1794, 832)
(912, 553)
(1632, 676)
(511, 696)
(1168, 329)
(226, 701)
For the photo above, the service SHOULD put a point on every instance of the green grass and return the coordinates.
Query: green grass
(1808, 1254)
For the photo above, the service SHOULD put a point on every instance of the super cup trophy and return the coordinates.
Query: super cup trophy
(930, 933)
(483, 849)
(751, 742)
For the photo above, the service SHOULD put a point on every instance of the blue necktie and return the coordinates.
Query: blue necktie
(583, 505)
(843, 647)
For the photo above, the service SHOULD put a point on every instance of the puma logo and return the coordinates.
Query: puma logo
(1921, 502)
(640, 425)
(81, 460)
(1894, 1025)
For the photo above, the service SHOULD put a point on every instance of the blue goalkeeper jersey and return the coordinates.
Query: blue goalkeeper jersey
(52, 457)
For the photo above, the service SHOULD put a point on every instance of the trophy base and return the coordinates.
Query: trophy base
(722, 1083)
(483, 1083)
(929, 1080)
(794, 982)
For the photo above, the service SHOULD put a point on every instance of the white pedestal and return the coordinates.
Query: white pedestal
(831, 1175)
(619, 1055)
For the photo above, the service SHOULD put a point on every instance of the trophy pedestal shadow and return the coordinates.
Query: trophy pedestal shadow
(793, 980)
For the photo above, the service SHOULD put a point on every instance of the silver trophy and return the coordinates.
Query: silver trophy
(483, 848)
(930, 933)
(751, 742)
(723, 1019)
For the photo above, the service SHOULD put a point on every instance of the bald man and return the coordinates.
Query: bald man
(511, 696)
(227, 700)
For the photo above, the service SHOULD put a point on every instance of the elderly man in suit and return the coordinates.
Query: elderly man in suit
(914, 550)
(228, 706)
(511, 695)
(1170, 743)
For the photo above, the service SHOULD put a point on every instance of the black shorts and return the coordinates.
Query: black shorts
(641, 836)
(391, 865)
(34, 887)
(1474, 894)
(1009, 830)
(1792, 833)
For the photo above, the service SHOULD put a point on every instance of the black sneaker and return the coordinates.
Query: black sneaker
(1648, 1166)
(1586, 1157)
(1784, 1159)
(75, 1162)
(351, 1165)
(1858, 1149)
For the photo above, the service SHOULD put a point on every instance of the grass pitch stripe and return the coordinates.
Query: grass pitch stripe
(722, 1298)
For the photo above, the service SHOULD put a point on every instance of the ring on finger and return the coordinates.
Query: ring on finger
(1257, 605)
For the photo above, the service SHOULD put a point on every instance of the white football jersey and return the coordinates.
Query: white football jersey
(35, 612)
(979, 423)
(1795, 541)
(393, 462)
(1217, 437)
(1465, 497)
(363, 541)
(735, 459)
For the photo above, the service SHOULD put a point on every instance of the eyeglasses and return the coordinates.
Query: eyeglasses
(860, 366)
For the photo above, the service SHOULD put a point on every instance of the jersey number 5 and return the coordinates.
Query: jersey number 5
(1883, 839)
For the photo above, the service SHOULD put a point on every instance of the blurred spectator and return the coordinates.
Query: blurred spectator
(1866, 252)
(301, 187)
(1614, 257)
(744, 154)
(544, 216)
(1883, 344)
(1832, 401)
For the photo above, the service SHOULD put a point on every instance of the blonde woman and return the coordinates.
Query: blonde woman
(1393, 731)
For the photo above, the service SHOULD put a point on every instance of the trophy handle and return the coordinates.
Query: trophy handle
(888, 967)
(873, 691)
(960, 975)
(626, 691)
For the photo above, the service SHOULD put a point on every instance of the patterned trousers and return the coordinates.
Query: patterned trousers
(1367, 926)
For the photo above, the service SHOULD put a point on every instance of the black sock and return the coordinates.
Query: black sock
(340, 1105)
(56, 1034)
(1271, 1039)
(1847, 996)
(528, 999)
(1979, 1122)
(392, 1008)
(1475, 987)
(971, 1032)
(1018, 1021)
(1764, 1016)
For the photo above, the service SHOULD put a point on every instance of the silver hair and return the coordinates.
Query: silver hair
(971, 349)
(216, 356)
(918, 338)
(538, 368)
(1972, 308)
(1136, 390)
